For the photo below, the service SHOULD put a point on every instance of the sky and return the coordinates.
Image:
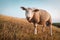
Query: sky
(12, 7)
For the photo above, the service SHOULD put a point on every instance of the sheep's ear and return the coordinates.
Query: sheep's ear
(23, 8)
(36, 10)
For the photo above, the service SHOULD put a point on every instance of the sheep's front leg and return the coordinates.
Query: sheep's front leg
(35, 28)
(44, 25)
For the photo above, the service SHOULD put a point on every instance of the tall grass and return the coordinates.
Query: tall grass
(20, 29)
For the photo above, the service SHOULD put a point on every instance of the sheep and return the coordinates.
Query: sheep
(38, 16)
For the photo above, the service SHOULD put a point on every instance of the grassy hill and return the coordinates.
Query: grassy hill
(57, 24)
(12, 28)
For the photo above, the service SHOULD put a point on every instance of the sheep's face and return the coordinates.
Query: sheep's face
(29, 13)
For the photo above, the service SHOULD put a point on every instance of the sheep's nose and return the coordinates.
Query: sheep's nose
(28, 18)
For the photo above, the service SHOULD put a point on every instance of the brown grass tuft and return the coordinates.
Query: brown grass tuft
(20, 29)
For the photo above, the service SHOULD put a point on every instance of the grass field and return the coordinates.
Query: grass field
(12, 28)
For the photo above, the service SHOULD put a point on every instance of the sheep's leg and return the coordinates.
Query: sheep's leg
(50, 27)
(43, 28)
(35, 28)
(51, 30)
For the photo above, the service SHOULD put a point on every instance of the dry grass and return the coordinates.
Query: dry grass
(19, 29)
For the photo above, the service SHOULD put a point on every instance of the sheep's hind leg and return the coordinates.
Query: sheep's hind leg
(50, 26)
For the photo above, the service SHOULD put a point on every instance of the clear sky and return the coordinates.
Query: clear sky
(12, 7)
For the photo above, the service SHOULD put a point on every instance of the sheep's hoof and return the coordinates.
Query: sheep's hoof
(35, 33)
(51, 34)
